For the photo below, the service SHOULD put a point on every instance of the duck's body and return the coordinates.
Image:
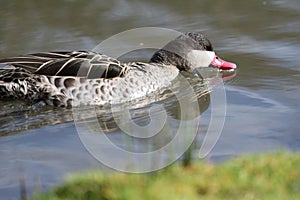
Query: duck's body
(80, 77)
(89, 78)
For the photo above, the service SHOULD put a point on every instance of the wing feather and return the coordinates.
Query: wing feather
(69, 63)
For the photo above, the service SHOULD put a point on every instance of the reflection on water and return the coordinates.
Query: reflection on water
(19, 116)
(261, 36)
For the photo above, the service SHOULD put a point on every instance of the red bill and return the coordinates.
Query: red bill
(222, 64)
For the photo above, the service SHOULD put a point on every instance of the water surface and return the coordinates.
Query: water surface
(261, 36)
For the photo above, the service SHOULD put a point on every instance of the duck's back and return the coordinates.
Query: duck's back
(79, 77)
(68, 63)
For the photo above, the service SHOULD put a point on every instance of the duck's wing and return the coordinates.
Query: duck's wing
(69, 63)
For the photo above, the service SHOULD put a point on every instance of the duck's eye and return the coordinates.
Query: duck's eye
(207, 48)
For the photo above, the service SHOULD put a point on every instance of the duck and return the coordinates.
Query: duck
(73, 78)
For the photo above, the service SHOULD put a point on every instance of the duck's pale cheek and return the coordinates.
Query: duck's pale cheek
(200, 58)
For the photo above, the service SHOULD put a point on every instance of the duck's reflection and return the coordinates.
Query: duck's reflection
(18, 116)
(135, 127)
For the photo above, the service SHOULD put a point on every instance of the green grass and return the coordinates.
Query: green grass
(267, 176)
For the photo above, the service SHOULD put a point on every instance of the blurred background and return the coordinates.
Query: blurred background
(261, 36)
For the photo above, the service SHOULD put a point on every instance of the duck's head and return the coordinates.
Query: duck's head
(190, 51)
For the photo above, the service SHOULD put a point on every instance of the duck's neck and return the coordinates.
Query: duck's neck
(165, 57)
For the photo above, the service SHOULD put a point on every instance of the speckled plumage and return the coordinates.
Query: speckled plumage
(56, 86)
(82, 77)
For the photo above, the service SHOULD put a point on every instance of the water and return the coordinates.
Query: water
(261, 36)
